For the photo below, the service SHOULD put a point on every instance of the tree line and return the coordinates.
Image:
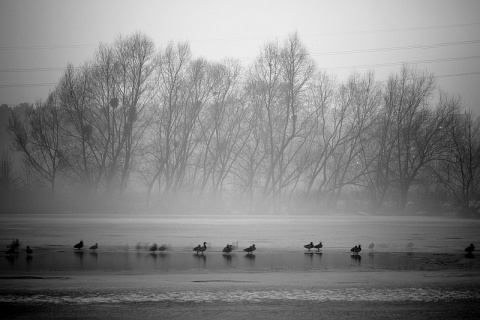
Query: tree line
(278, 133)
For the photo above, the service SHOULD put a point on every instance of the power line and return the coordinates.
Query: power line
(444, 44)
(458, 74)
(400, 63)
(89, 45)
(43, 47)
(32, 69)
(448, 26)
(27, 85)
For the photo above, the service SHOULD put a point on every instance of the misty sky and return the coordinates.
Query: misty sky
(39, 38)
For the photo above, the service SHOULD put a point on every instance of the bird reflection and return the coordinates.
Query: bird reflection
(228, 259)
(251, 259)
(29, 260)
(201, 259)
(470, 255)
(308, 258)
(356, 257)
(78, 254)
(10, 259)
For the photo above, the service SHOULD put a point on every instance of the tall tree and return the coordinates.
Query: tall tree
(38, 137)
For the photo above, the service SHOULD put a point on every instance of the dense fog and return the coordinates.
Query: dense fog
(139, 128)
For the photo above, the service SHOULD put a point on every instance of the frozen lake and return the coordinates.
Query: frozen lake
(123, 241)
(270, 234)
(122, 275)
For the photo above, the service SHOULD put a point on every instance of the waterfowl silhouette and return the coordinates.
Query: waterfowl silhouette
(94, 247)
(79, 245)
(359, 248)
(28, 251)
(308, 246)
(201, 249)
(14, 245)
(163, 247)
(470, 248)
(356, 249)
(227, 249)
(250, 249)
(153, 248)
(371, 246)
(197, 248)
(318, 246)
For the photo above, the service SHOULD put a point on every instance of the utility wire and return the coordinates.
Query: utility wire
(27, 85)
(89, 45)
(400, 63)
(43, 47)
(444, 44)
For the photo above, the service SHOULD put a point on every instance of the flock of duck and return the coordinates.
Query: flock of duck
(13, 247)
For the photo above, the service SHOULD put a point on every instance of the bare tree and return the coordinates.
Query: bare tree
(419, 130)
(38, 138)
(222, 126)
(459, 171)
(7, 169)
(278, 81)
(77, 128)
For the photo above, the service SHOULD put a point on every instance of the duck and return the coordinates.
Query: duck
(250, 249)
(470, 248)
(318, 246)
(203, 248)
(94, 247)
(15, 244)
(153, 248)
(227, 249)
(197, 248)
(356, 249)
(79, 245)
(371, 245)
(28, 250)
(163, 247)
(308, 246)
(359, 248)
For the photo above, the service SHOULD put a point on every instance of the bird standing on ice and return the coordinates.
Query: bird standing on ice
(153, 248)
(163, 247)
(470, 248)
(250, 249)
(318, 246)
(197, 248)
(28, 250)
(227, 249)
(201, 249)
(94, 247)
(79, 245)
(309, 246)
(356, 249)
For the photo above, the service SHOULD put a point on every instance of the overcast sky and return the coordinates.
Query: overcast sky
(39, 38)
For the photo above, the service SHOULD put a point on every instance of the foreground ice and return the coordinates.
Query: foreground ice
(347, 294)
